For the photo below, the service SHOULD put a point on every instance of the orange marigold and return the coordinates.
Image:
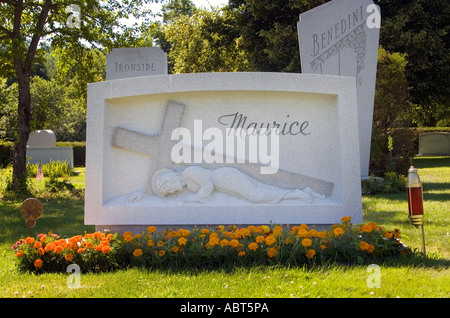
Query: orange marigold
(253, 246)
(234, 243)
(272, 252)
(388, 234)
(29, 240)
(162, 253)
(306, 242)
(69, 257)
(224, 242)
(19, 253)
(338, 231)
(38, 263)
(182, 241)
(106, 249)
(41, 251)
(310, 253)
(58, 249)
(270, 240)
(37, 245)
(260, 239)
(366, 228)
(80, 250)
(363, 246)
(151, 229)
(137, 252)
(150, 243)
(346, 219)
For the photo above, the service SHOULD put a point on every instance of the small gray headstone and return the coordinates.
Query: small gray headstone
(133, 62)
(434, 143)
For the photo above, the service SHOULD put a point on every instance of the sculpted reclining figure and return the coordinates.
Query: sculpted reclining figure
(203, 182)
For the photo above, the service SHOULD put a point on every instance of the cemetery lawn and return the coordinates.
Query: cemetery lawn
(405, 277)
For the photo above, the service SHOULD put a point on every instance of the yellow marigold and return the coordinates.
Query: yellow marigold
(313, 233)
(288, 241)
(220, 228)
(214, 240)
(160, 243)
(137, 252)
(68, 257)
(150, 243)
(310, 253)
(270, 240)
(186, 233)
(162, 253)
(338, 231)
(224, 242)
(272, 252)
(302, 233)
(265, 229)
(366, 228)
(234, 243)
(260, 239)
(346, 219)
(182, 241)
(321, 235)
(306, 242)
(151, 229)
(277, 231)
(128, 238)
(323, 247)
(204, 231)
(304, 227)
(38, 263)
(175, 249)
(388, 234)
(253, 246)
(251, 228)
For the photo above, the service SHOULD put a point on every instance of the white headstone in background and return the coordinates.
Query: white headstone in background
(41, 148)
(341, 37)
(434, 143)
(132, 62)
(42, 138)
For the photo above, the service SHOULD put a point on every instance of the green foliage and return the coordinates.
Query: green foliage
(420, 29)
(210, 248)
(390, 183)
(202, 43)
(393, 144)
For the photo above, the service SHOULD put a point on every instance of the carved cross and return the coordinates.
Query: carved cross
(160, 146)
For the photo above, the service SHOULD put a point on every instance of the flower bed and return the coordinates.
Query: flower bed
(210, 248)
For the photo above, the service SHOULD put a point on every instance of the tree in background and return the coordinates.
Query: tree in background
(64, 24)
(421, 30)
(392, 142)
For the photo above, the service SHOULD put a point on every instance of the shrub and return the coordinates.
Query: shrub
(210, 248)
(391, 183)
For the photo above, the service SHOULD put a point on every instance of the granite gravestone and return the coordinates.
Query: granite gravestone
(341, 38)
(434, 143)
(222, 148)
(132, 62)
(41, 148)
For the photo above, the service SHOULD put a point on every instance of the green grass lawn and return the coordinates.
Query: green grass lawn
(405, 278)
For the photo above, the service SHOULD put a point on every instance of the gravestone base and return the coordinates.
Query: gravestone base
(43, 155)
(139, 229)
